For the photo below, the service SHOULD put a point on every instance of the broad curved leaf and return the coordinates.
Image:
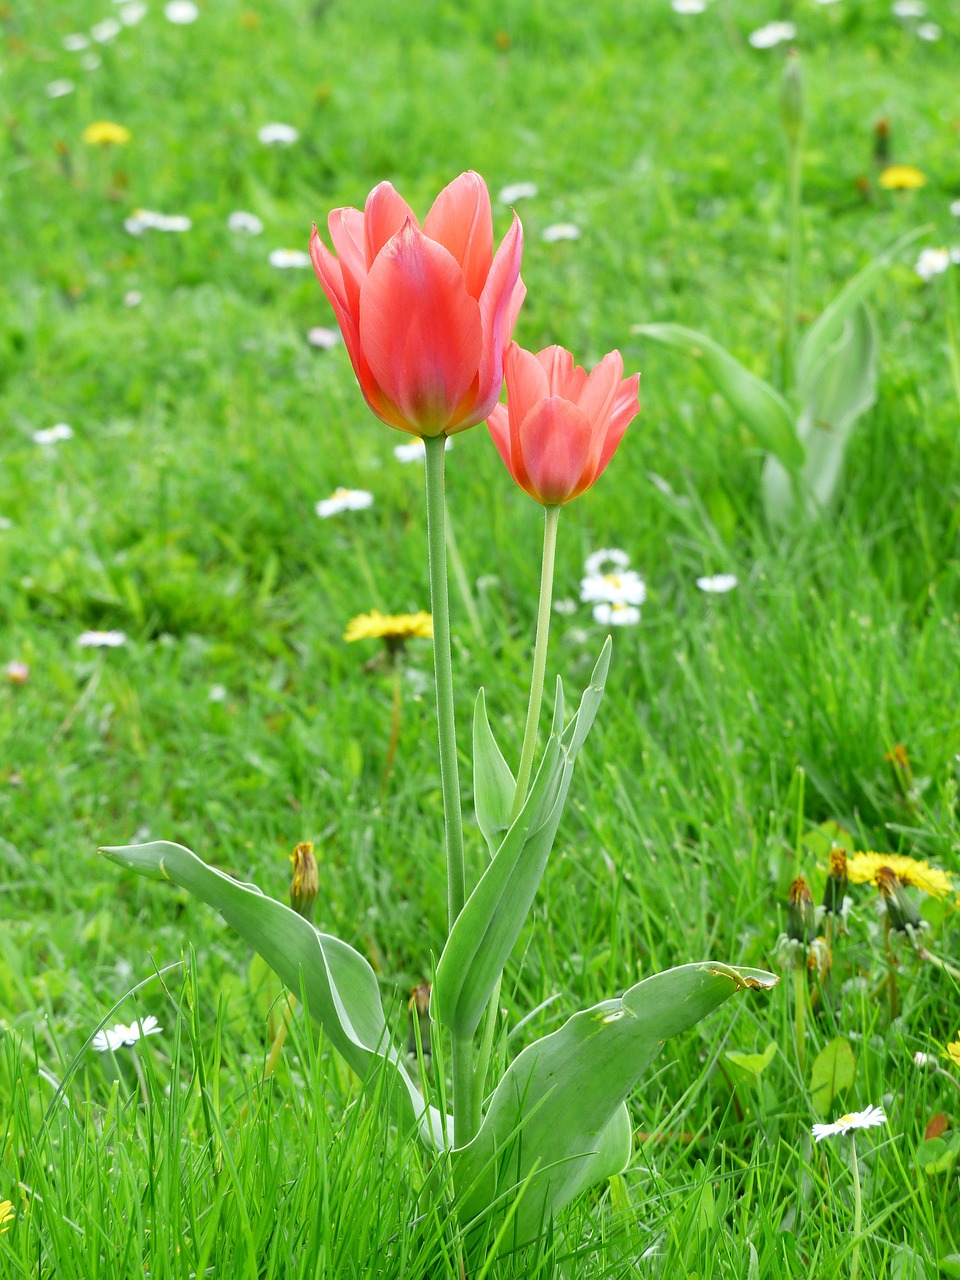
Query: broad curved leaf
(493, 781)
(760, 406)
(549, 1119)
(484, 933)
(341, 989)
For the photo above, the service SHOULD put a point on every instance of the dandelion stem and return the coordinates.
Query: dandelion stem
(394, 728)
(800, 1013)
(449, 769)
(857, 1211)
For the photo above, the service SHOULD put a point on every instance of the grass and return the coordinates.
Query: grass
(182, 512)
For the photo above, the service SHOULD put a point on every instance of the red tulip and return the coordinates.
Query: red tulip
(560, 426)
(426, 313)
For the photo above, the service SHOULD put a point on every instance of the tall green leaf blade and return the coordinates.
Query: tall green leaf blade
(484, 933)
(493, 781)
(829, 327)
(760, 406)
(340, 987)
(548, 1118)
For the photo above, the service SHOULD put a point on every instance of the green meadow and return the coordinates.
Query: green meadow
(742, 735)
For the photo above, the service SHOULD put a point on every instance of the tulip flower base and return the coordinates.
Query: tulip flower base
(427, 315)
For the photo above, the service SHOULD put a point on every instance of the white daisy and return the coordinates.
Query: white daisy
(53, 435)
(323, 338)
(932, 262)
(929, 31)
(689, 6)
(105, 31)
(218, 693)
(287, 258)
(773, 33)
(278, 135)
(719, 584)
(616, 615)
(174, 222)
(566, 608)
(415, 451)
(132, 298)
(518, 191)
(247, 224)
(868, 1119)
(17, 672)
(344, 500)
(6, 522)
(101, 639)
(909, 9)
(76, 43)
(181, 12)
(825, 2)
(131, 14)
(596, 561)
(60, 88)
(955, 208)
(625, 587)
(112, 1038)
(560, 231)
(91, 61)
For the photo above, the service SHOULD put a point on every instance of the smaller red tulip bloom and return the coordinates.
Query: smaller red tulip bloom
(561, 426)
(426, 312)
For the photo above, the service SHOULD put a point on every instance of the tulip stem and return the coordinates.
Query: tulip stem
(449, 770)
(551, 520)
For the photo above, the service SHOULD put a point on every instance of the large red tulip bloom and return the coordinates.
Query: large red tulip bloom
(426, 312)
(561, 426)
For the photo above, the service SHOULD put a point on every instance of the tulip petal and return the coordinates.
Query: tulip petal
(499, 427)
(499, 303)
(420, 331)
(461, 220)
(526, 385)
(347, 234)
(597, 397)
(564, 378)
(626, 406)
(555, 440)
(384, 214)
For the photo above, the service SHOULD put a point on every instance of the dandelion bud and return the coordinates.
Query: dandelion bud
(881, 143)
(902, 914)
(305, 881)
(791, 99)
(419, 1006)
(801, 917)
(836, 887)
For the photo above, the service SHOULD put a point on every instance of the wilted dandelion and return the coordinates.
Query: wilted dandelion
(247, 224)
(286, 259)
(902, 177)
(344, 500)
(101, 639)
(112, 1038)
(304, 880)
(772, 34)
(181, 12)
(278, 135)
(719, 584)
(518, 191)
(560, 231)
(53, 435)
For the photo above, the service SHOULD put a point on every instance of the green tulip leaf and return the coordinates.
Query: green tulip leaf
(760, 406)
(555, 1121)
(484, 933)
(340, 988)
(493, 782)
(830, 325)
(840, 388)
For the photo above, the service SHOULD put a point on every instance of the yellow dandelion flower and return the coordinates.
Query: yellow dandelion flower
(952, 1052)
(864, 868)
(902, 177)
(6, 1214)
(395, 628)
(106, 133)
